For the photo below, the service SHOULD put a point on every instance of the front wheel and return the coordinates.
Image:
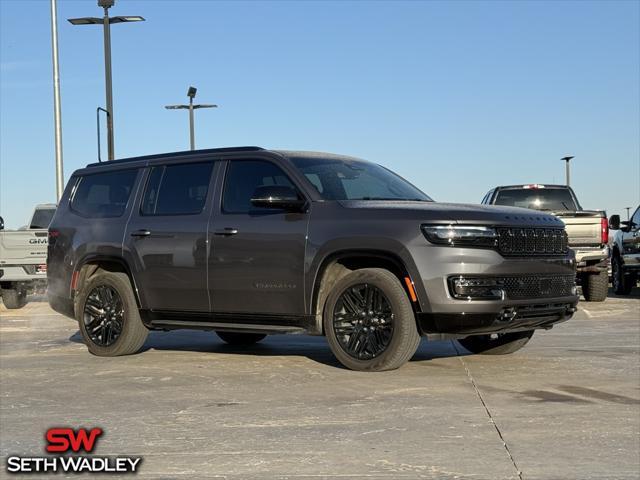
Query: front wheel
(622, 284)
(369, 322)
(496, 344)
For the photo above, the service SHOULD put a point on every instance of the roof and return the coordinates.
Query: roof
(544, 185)
(185, 153)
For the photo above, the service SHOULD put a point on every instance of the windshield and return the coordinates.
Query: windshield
(553, 199)
(42, 218)
(337, 179)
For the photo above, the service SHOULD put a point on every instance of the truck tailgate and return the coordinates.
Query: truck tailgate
(23, 247)
(584, 227)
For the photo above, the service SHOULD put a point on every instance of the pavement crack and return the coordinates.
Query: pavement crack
(486, 409)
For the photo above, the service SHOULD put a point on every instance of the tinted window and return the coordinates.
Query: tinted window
(42, 218)
(242, 179)
(177, 189)
(103, 194)
(337, 179)
(554, 199)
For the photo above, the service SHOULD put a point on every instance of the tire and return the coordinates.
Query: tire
(108, 316)
(595, 287)
(365, 339)
(14, 298)
(500, 344)
(622, 284)
(241, 339)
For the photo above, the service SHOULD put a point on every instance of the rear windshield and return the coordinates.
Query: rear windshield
(552, 199)
(103, 195)
(337, 179)
(42, 218)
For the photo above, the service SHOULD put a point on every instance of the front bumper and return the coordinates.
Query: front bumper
(508, 319)
(442, 314)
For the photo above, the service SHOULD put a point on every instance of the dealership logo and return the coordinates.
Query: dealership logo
(65, 442)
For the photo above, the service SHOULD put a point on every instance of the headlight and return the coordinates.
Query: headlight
(461, 235)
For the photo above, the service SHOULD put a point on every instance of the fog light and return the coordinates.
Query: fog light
(476, 288)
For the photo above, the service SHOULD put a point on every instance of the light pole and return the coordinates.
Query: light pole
(191, 93)
(567, 169)
(57, 113)
(106, 22)
(628, 208)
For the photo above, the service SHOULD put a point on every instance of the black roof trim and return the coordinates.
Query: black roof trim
(178, 154)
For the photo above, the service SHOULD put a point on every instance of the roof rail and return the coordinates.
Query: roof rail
(184, 153)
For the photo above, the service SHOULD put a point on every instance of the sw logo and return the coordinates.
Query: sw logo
(63, 440)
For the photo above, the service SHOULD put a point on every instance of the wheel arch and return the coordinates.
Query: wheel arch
(337, 264)
(90, 264)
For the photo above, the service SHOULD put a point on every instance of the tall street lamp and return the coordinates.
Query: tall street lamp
(191, 93)
(567, 169)
(106, 22)
(57, 114)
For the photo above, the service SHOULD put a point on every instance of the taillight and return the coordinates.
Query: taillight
(604, 231)
(51, 237)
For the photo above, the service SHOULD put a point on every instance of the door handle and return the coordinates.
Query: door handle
(227, 232)
(141, 233)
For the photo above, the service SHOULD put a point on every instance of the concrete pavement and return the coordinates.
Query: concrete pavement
(567, 406)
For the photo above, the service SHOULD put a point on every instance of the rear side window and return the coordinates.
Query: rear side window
(103, 195)
(242, 179)
(42, 218)
(177, 189)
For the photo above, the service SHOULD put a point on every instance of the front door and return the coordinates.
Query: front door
(167, 237)
(257, 255)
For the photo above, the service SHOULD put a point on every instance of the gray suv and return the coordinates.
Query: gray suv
(249, 242)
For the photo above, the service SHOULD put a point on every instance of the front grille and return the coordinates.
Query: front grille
(538, 286)
(515, 241)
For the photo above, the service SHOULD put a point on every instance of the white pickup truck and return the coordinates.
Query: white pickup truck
(588, 230)
(23, 257)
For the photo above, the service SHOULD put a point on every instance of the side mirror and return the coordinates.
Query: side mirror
(614, 222)
(1, 223)
(277, 196)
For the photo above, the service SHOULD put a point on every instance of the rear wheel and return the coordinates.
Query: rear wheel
(496, 344)
(14, 298)
(595, 286)
(108, 316)
(240, 338)
(622, 284)
(369, 322)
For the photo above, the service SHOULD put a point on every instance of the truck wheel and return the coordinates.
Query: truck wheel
(369, 322)
(108, 316)
(241, 339)
(622, 284)
(498, 344)
(14, 298)
(595, 287)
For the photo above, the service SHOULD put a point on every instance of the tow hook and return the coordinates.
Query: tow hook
(507, 315)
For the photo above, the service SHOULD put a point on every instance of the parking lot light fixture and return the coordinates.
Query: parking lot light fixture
(567, 159)
(106, 22)
(191, 93)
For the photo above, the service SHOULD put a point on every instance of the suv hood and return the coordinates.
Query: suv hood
(459, 213)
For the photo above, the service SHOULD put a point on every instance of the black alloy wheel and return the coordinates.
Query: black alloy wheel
(363, 321)
(103, 315)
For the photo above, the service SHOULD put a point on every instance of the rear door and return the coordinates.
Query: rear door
(257, 260)
(166, 237)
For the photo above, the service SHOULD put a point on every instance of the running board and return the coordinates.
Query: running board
(226, 327)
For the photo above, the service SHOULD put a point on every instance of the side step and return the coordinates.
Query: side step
(226, 327)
